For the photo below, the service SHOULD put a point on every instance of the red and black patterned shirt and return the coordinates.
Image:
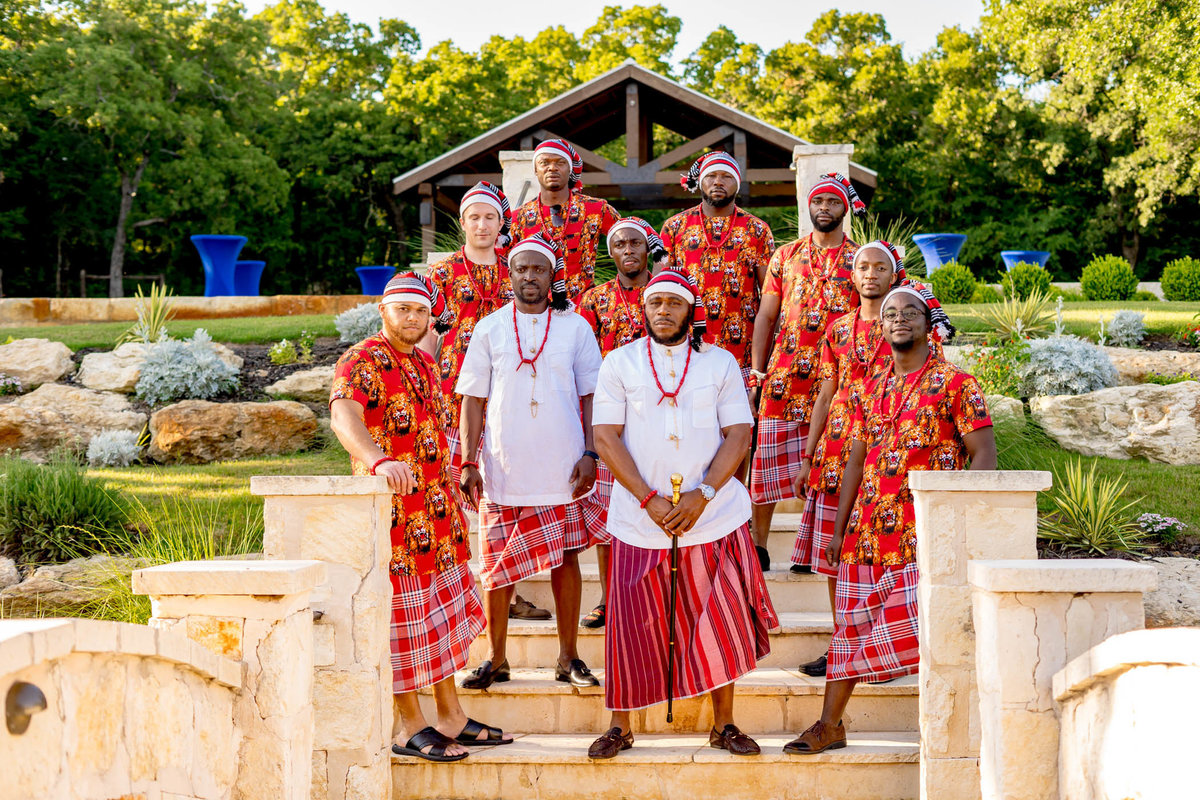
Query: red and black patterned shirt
(614, 313)
(586, 221)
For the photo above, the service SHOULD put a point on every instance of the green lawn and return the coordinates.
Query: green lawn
(1083, 319)
(236, 330)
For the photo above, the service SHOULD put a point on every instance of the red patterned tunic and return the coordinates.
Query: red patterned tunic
(585, 222)
(614, 313)
(472, 291)
(405, 412)
(723, 255)
(908, 425)
(814, 288)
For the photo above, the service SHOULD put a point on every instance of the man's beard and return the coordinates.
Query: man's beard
(407, 338)
(832, 225)
(724, 201)
(668, 341)
(904, 347)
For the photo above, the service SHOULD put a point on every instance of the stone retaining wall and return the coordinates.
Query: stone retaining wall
(21, 311)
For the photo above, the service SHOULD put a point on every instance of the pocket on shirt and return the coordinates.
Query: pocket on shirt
(704, 407)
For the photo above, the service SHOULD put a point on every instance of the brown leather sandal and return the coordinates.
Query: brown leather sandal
(611, 743)
(731, 739)
(817, 739)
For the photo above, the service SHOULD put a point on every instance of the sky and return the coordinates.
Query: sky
(768, 23)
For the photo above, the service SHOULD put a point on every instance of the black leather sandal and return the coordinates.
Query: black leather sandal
(424, 738)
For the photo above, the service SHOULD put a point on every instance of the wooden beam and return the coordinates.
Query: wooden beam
(468, 179)
(633, 131)
(589, 157)
(692, 147)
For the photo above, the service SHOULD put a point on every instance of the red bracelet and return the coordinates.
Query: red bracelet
(466, 464)
(380, 461)
(647, 498)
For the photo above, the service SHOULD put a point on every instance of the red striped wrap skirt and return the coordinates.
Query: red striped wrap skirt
(435, 617)
(874, 623)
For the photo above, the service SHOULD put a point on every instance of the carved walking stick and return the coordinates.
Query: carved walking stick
(676, 483)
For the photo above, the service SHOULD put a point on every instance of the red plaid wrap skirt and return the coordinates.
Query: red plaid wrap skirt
(722, 616)
(598, 534)
(816, 532)
(516, 542)
(455, 447)
(874, 623)
(776, 460)
(435, 618)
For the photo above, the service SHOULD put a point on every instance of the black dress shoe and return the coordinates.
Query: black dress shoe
(485, 675)
(578, 675)
(801, 569)
(764, 557)
(815, 668)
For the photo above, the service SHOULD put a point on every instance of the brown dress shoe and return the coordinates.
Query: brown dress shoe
(817, 739)
(611, 743)
(523, 609)
(733, 740)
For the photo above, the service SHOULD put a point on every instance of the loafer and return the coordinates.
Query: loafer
(801, 569)
(578, 675)
(731, 739)
(523, 609)
(817, 739)
(817, 667)
(611, 743)
(485, 675)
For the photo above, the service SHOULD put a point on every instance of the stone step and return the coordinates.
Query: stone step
(789, 592)
(779, 542)
(803, 636)
(874, 766)
(769, 699)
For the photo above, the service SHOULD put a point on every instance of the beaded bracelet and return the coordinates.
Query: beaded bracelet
(466, 464)
(380, 461)
(647, 498)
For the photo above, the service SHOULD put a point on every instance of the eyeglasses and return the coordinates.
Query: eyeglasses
(909, 314)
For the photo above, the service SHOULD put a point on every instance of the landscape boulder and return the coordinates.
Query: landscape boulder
(115, 371)
(1006, 409)
(1134, 366)
(35, 361)
(55, 415)
(198, 431)
(1176, 601)
(311, 385)
(9, 574)
(62, 588)
(1157, 423)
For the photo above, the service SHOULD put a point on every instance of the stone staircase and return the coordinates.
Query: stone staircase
(556, 722)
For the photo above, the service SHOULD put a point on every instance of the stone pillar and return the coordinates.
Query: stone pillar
(811, 161)
(344, 522)
(258, 613)
(1033, 617)
(960, 516)
(519, 183)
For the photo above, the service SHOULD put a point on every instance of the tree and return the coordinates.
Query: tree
(725, 69)
(647, 34)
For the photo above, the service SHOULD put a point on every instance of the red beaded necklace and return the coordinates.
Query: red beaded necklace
(484, 300)
(532, 362)
(665, 394)
(854, 341)
(894, 416)
(718, 245)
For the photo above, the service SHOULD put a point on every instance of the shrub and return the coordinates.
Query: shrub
(282, 352)
(1108, 278)
(985, 294)
(1181, 280)
(1018, 319)
(953, 283)
(1088, 515)
(1191, 336)
(1068, 295)
(184, 369)
(114, 448)
(996, 368)
(1023, 279)
(153, 313)
(304, 346)
(1127, 328)
(1167, 380)
(9, 384)
(1065, 365)
(1167, 529)
(51, 512)
(358, 323)
(1145, 297)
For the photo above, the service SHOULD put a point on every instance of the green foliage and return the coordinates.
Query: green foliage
(283, 352)
(1067, 295)
(9, 384)
(1090, 514)
(189, 369)
(953, 283)
(985, 294)
(1108, 278)
(1167, 380)
(998, 368)
(1017, 319)
(1023, 279)
(1181, 280)
(898, 231)
(1144, 296)
(153, 314)
(304, 346)
(49, 511)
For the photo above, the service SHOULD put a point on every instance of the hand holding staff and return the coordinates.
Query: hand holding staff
(676, 485)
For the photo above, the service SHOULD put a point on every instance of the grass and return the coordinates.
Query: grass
(1083, 319)
(235, 330)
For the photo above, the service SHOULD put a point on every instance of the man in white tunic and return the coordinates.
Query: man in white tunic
(534, 361)
(670, 404)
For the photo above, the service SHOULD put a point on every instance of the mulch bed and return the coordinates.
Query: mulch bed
(1186, 547)
(1167, 341)
(258, 372)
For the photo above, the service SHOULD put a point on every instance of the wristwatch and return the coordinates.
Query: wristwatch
(707, 492)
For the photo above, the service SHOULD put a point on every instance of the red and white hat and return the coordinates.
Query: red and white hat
(672, 280)
(892, 254)
(539, 243)
(717, 160)
(563, 149)
(654, 244)
(939, 322)
(839, 184)
(409, 287)
(491, 195)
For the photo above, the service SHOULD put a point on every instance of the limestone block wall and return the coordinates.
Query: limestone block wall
(1031, 618)
(1128, 707)
(130, 712)
(812, 161)
(345, 523)
(961, 516)
(519, 184)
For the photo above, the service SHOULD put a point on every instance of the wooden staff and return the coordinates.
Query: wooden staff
(676, 483)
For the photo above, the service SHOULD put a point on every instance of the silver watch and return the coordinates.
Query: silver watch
(707, 492)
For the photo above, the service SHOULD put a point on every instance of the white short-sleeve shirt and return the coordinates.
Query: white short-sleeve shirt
(665, 438)
(533, 432)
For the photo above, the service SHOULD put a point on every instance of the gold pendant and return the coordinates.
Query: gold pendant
(674, 439)
(533, 407)
(672, 402)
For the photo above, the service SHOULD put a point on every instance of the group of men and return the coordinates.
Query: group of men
(507, 383)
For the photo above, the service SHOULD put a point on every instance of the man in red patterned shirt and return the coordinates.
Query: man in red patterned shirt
(809, 281)
(724, 249)
(614, 310)
(388, 410)
(923, 413)
(564, 215)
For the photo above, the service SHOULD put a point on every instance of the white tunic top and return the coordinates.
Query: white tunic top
(533, 432)
(665, 438)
